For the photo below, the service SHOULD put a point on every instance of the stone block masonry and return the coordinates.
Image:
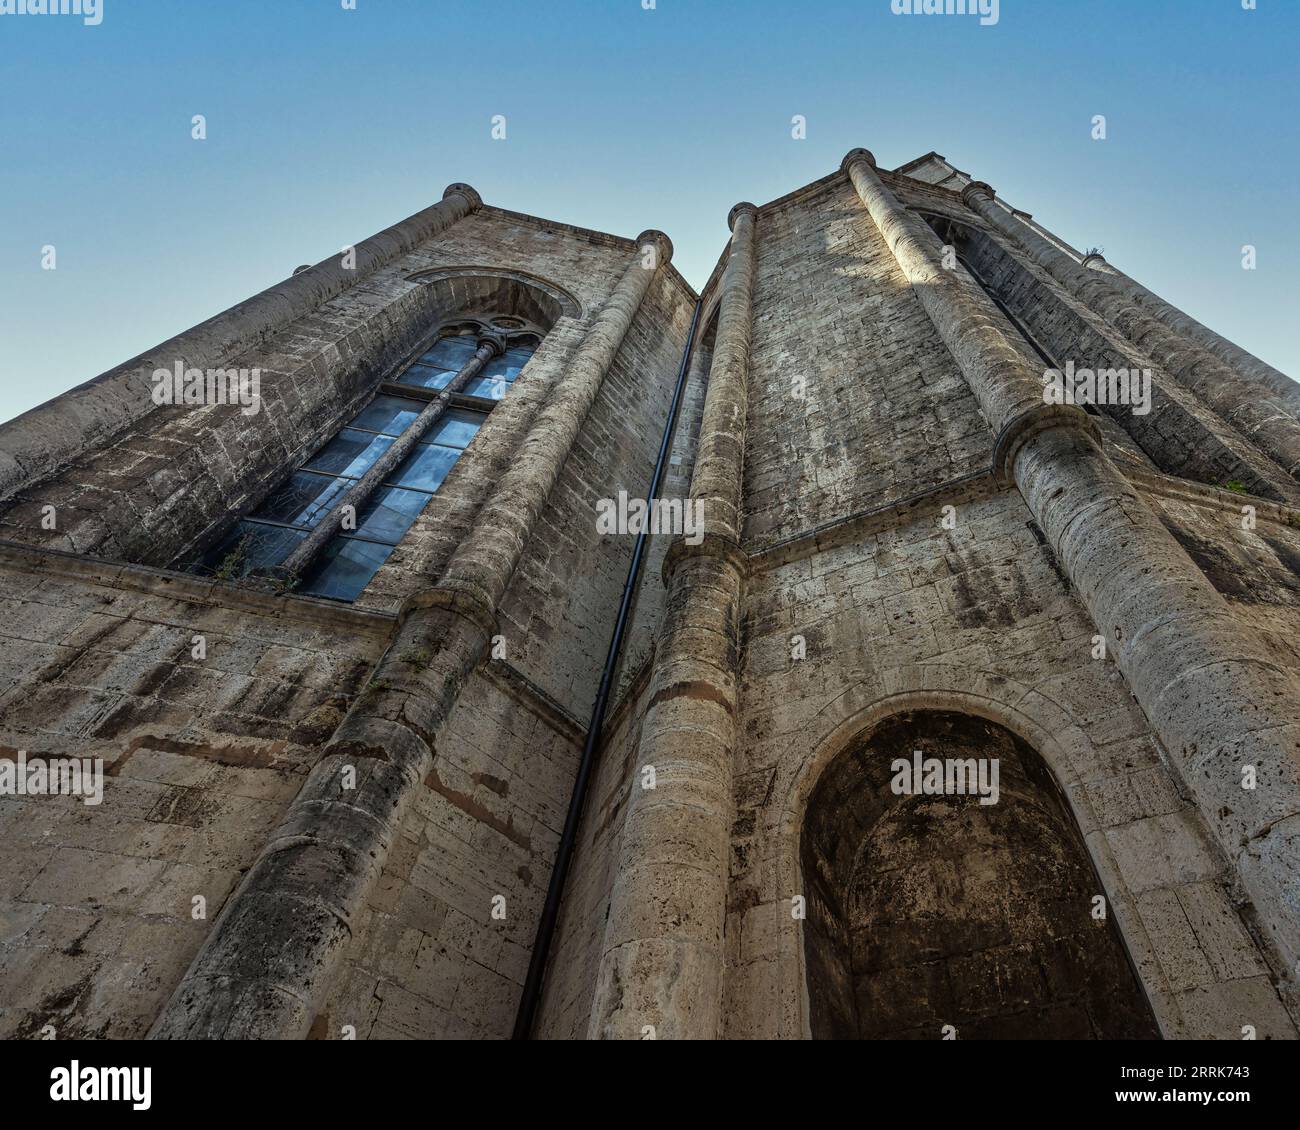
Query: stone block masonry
(332, 819)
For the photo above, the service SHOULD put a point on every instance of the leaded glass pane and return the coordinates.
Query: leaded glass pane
(509, 364)
(345, 568)
(388, 414)
(250, 546)
(350, 453)
(389, 514)
(450, 353)
(426, 467)
(424, 377)
(455, 428)
(303, 500)
(489, 388)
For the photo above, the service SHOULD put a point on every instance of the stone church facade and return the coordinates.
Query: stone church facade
(337, 647)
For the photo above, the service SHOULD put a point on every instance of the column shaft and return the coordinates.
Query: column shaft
(37, 442)
(1245, 364)
(1246, 404)
(266, 967)
(662, 956)
(483, 564)
(1213, 694)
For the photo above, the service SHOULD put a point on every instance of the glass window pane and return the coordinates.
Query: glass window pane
(249, 546)
(456, 428)
(508, 364)
(388, 414)
(426, 467)
(450, 353)
(303, 500)
(389, 514)
(344, 568)
(424, 377)
(350, 453)
(490, 388)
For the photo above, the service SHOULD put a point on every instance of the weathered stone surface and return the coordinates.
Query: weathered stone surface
(897, 528)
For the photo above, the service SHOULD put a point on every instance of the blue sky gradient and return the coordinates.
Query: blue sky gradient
(326, 125)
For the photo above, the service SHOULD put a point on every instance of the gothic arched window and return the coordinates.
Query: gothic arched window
(334, 521)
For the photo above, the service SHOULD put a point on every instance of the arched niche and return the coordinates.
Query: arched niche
(933, 914)
(486, 293)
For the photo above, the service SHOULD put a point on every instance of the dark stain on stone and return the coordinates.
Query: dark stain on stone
(1233, 575)
(471, 807)
(498, 785)
(62, 1009)
(234, 756)
(692, 688)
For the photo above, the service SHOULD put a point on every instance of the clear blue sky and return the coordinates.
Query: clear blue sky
(326, 125)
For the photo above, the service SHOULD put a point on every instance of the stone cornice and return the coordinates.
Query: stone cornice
(843, 531)
(981, 485)
(192, 589)
(536, 701)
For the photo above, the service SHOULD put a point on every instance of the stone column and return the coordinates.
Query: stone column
(1214, 695)
(1249, 406)
(37, 442)
(1246, 365)
(265, 969)
(662, 956)
(482, 565)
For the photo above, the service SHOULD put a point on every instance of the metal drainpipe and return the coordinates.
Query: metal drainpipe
(532, 991)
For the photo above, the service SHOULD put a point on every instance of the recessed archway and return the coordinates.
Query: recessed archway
(934, 914)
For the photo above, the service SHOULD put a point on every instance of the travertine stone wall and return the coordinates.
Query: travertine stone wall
(323, 862)
(661, 963)
(852, 401)
(201, 759)
(41, 440)
(895, 524)
(898, 613)
(1247, 404)
(1244, 364)
(487, 823)
(569, 986)
(970, 914)
(1181, 435)
(562, 629)
(1173, 636)
(175, 482)
(427, 959)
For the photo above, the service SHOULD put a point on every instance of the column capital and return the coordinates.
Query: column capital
(977, 188)
(459, 599)
(719, 546)
(459, 189)
(1017, 432)
(663, 245)
(744, 208)
(496, 340)
(858, 154)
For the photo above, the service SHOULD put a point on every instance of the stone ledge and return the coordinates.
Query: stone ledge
(972, 487)
(980, 485)
(535, 700)
(195, 589)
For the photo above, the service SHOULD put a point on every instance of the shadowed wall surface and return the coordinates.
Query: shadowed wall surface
(935, 910)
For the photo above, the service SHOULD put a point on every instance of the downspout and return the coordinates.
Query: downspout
(532, 991)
